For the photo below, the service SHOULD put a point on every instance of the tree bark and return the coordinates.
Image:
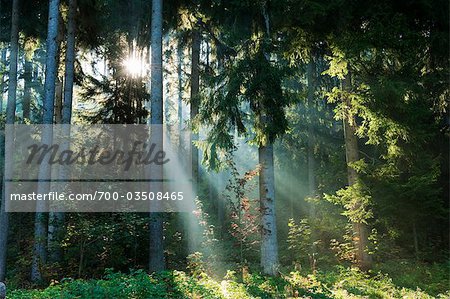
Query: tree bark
(312, 185)
(10, 118)
(57, 219)
(195, 87)
(40, 229)
(2, 79)
(70, 62)
(166, 94)
(58, 100)
(156, 252)
(269, 243)
(193, 234)
(180, 93)
(28, 76)
(360, 230)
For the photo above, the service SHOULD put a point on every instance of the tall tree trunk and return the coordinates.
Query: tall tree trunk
(156, 252)
(166, 94)
(180, 93)
(193, 234)
(40, 228)
(360, 230)
(70, 62)
(269, 243)
(2, 78)
(195, 87)
(28, 77)
(10, 118)
(223, 177)
(416, 240)
(26, 100)
(12, 88)
(312, 186)
(53, 228)
(56, 219)
(59, 82)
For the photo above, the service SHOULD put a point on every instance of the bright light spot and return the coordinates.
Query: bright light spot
(135, 67)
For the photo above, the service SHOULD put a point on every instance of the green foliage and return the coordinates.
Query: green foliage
(342, 283)
(247, 96)
(299, 240)
(396, 55)
(432, 278)
(356, 202)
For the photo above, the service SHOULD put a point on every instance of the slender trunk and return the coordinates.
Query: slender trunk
(180, 93)
(81, 260)
(40, 229)
(58, 100)
(156, 250)
(195, 87)
(70, 62)
(269, 243)
(193, 234)
(26, 101)
(166, 94)
(2, 78)
(59, 81)
(57, 219)
(222, 177)
(10, 118)
(312, 186)
(360, 230)
(12, 88)
(416, 240)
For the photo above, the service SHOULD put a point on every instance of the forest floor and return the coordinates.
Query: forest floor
(406, 280)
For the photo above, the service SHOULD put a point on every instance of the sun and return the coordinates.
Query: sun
(134, 66)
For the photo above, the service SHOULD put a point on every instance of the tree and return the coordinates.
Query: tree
(360, 230)
(70, 62)
(312, 187)
(312, 184)
(56, 220)
(253, 80)
(180, 91)
(28, 77)
(269, 242)
(10, 118)
(2, 77)
(194, 101)
(156, 252)
(40, 229)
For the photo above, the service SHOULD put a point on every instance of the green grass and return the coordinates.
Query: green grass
(340, 283)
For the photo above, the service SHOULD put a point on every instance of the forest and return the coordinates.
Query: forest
(313, 134)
